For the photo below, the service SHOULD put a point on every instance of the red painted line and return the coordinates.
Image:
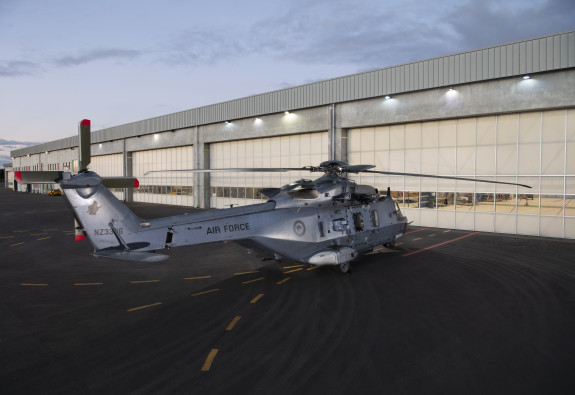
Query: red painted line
(437, 245)
(413, 231)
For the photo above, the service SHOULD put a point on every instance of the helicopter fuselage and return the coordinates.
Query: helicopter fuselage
(328, 221)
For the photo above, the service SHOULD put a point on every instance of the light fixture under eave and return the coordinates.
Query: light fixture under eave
(387, 97)
(286, 112)
(227, 122)
(526, 77)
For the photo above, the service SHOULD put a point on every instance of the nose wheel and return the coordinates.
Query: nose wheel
(343, 267)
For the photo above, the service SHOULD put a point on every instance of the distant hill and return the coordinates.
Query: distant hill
(10, 145)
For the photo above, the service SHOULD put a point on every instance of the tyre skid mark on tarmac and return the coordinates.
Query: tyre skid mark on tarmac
(214, 351)
(209, 360)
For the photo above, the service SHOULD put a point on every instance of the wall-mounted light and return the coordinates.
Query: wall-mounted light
(227, 122)
(286, 112)
(450, 89)
(258, 121)
(526, 77)
(100, 145)
(387, 97)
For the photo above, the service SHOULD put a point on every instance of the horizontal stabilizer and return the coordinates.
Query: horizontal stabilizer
(38, 177)
(139, 256)
(120, 182)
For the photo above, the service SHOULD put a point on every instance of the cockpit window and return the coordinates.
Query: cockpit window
(304, 194)
(297, 183)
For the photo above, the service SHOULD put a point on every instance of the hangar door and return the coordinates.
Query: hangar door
(534, 148)
(109, 166)
(164, 188)
(240, 189)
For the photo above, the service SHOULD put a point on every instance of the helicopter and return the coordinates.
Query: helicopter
(329, 221)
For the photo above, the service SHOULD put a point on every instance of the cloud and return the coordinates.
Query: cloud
(17, 68)
(482, 24)
(96, 55)
(195, 48)
(371, 34)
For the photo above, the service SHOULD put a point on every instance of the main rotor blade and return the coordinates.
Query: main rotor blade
(443, 177)
(356, 168)
(245, 170)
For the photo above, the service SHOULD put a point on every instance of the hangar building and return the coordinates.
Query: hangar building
(500, 113)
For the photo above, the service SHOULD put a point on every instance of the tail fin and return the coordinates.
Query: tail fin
(112, 228)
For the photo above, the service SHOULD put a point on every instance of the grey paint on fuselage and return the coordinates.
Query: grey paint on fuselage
(297, 223)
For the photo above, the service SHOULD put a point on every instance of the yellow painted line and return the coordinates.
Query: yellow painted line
(44, 238)
(432, 235)
(291, 267)
(6, 237)
(144, 281)
(254, 300)
(398, 244)
(419, 238)
(233, 323)
(445, 231)
(294, 270)
(253, 281)
(34, 285)
(209, 360)
(70, 234)
(205, 292)
(48, 230)
(196, 278)
(239, 274)
(17, 244)
(283, 281)
(19, 231)
(312, 268)
(145, 307)
(38, 234)
(89, 284)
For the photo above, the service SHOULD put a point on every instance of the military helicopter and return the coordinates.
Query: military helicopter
(327, 221)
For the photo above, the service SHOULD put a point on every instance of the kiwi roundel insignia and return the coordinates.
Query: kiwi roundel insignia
(299, 228)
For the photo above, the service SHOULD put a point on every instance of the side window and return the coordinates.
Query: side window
(358, 221)
(321, 231)
(375, 218)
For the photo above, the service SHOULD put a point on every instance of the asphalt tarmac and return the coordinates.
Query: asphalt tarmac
(446, 311)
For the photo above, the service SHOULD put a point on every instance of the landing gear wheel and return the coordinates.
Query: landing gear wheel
(344, 268)
(391, 244)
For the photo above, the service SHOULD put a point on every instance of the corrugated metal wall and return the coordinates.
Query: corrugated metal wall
(531, 56)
